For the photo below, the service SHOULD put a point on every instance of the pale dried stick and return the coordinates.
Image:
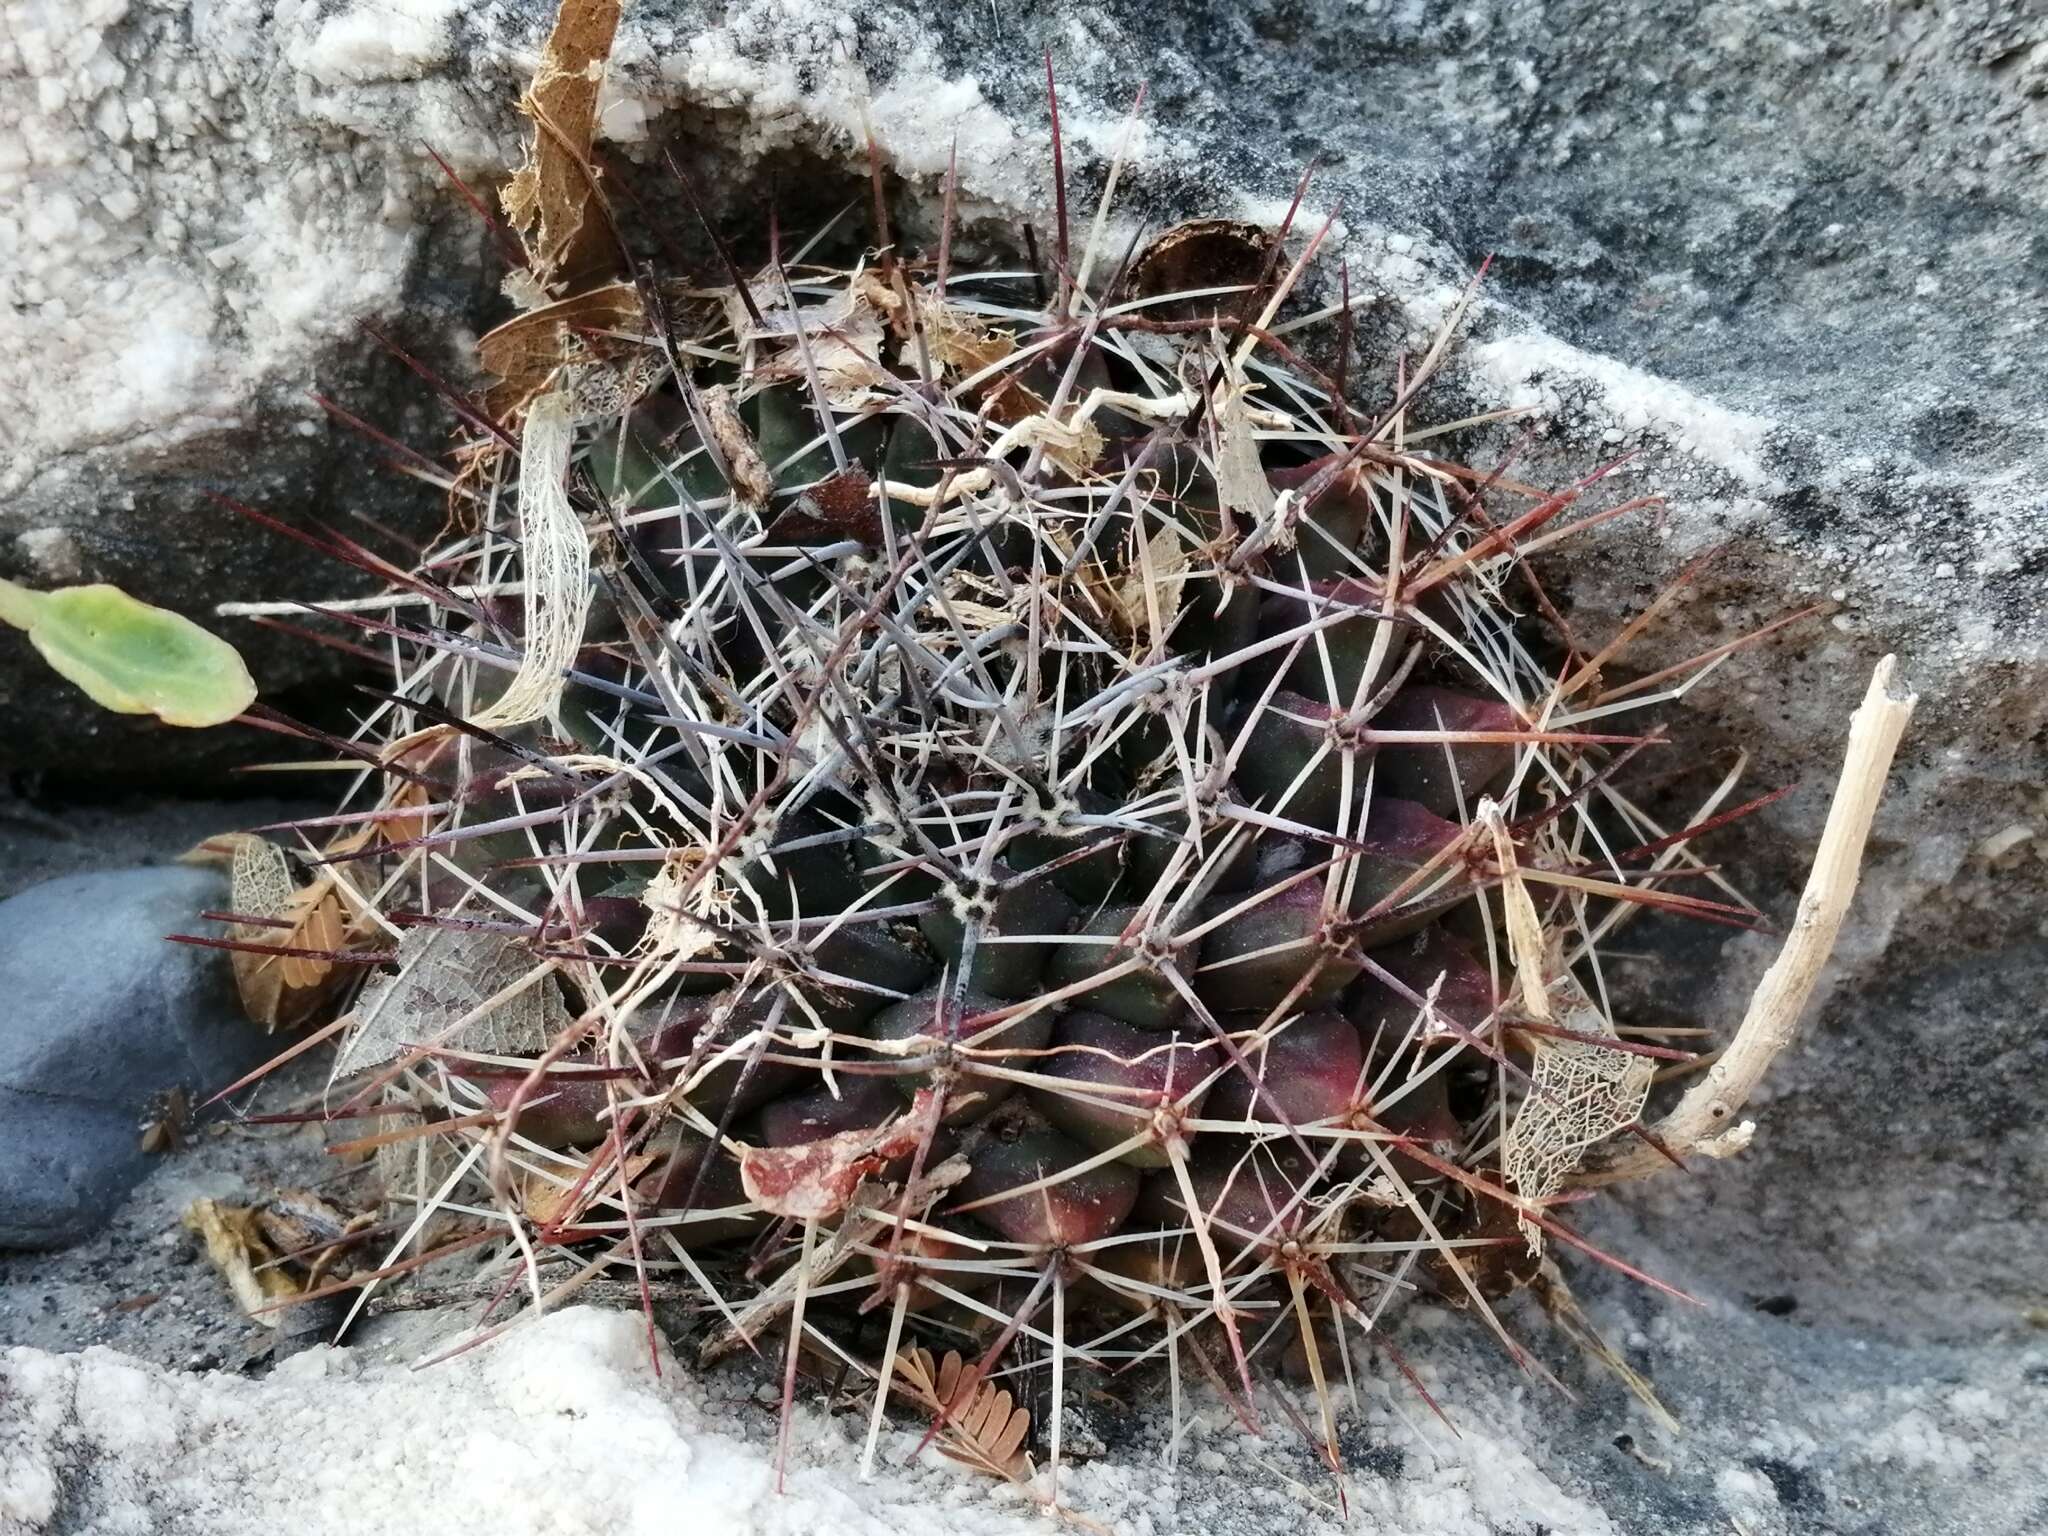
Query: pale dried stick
(1704, 1120)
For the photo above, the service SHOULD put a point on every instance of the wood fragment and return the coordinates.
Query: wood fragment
(1704, 1121)
(752, 481)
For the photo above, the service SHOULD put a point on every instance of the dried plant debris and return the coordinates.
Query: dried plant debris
(552, 199)
(526, 351)
(1582, 1091)
(296, 939)
(278, 1251)
(456, 989)
(166, 1124)
(978, 1425)
(1008, 815)
(292, 931)
(237, 1249)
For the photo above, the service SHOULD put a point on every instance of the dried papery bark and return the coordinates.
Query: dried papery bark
(549, 199)
(524, 351)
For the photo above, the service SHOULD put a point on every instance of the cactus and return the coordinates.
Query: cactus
(1028, 800)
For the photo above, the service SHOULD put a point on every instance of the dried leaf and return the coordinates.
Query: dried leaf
(445, 974)
(260, 876)
(235, 1246)
(1010, 402)
(1580, 1093)
(406, 796)
(949, 1378)
(983, 1428)
(555, 1200)
(419, 753)
(864, 301)
(840, 340)
(548, 201)
(847, 362)
(964, 345)
(163, 1128)
(526, 350)
(849, 369)
(277, 991)
(1147, 601)
(1241, 484)
(959, 341)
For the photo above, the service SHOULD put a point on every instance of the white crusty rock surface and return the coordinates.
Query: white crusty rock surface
(566, 1428)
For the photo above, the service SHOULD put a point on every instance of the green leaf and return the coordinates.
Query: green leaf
(131, 657)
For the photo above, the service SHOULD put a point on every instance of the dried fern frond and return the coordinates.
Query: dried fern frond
(978, 1424)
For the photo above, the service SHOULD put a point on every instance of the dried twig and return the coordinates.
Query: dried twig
(1704, 1120)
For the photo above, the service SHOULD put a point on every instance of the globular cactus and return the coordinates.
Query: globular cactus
(970, 793)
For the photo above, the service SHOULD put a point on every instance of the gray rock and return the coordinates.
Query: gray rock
(102, 1017)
